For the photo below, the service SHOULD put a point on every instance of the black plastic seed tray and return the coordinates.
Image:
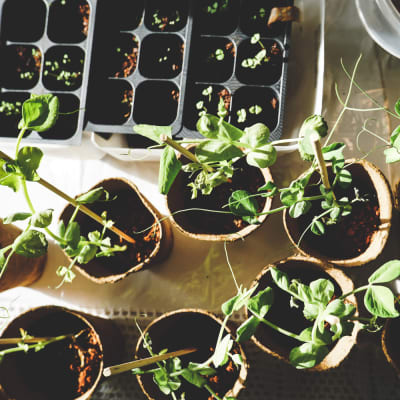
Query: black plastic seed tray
(45, 47)
(164, 62)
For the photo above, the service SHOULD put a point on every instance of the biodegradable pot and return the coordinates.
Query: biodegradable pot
(187, 328)
(203, 225)
(131, 212)
(21, 271)
(46, 374)
(390, 342)
(292, 319)
(358, 238)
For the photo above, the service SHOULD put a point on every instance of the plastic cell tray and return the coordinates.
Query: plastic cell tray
(143, 61)
(45, 47)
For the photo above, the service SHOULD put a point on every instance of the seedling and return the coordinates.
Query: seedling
(9, 109)
(331, 317)
(163, 21)
(217, 6)
(242, 112)
(60, 71)
(40, 113)
(260, 57)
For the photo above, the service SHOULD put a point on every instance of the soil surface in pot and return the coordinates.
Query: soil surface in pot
(130, 215)
(392, 340)
(352, 235)
(245, 177)
(281, 313)
(190, 329)
(63, 370)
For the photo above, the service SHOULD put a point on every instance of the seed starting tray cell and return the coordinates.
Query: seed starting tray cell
(120, 63)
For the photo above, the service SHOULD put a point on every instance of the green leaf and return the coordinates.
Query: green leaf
(9, 176)
(392, 155)
(193, 377)
(213, 127)
(322, 290)
(247, 329)
(153, 132)
(92, 196)
(216, 150)
(386, 273)
(169, 169)
(31, 243)
(229, 305)
(321, 339)
(87, 253)
(334, 151)
(256, 136)
(336, 308)
(18, 216)
(42, 219)
(72, 234)
(66, 273)
(262, 157)
(397, 107)
(40, 112)
(299, 208)
(241, 204)
(395, 138)
(237, 302)
(344, 178)
(29, 160)
(201, 369)
(314, 124)
(317, 227)
(307, 355)
(221, 356)
(261, 303)
(379, 301)
(269, 188)
(61, 228)
(280, 278)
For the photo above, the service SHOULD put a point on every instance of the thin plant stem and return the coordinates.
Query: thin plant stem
(230, 266)
(8, 258)
(212, 392)
(360, 289)
(20, 136)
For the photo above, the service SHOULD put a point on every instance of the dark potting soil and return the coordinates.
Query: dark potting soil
(281, 313)
(352, 235)
(396, 4)
(68, 21)
(130, 216)
(21, 66)
(66, 369)
(196, 330)
(245, 177)
(392, 340)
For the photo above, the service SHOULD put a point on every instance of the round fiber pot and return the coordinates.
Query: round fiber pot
(291, 318)
(188, 328)
(212, 226)
(64, 370)
(131, 212)
(357, 238)
(390, 342)
(21, 271)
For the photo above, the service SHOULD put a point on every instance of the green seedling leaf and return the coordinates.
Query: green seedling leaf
(261, 303)
(299, 208)
(307, 355)
(311, 311)
(194, 377)
(9, 175)
(280, 278)
(18, 216)
(247, 329)
(201, 369)
(334, 151)
(29, 160)
(92, 196)
(40, 112)
(241, 204)
(237, 302)
(321, 338)
(256, 136)
(336, 308)
(42, 219)
(66, 273)
(269, 189)
(317, 227)
(397, 107)
(237, 359)
(344, 178)
(395, 138)
(213, 127)
(221, 356)
(216, 150)
(87, 253)
(61, 228)
(255, 38)
(169, 169)
(322, 290)
(31, 243)
(73, 234)
(314, 124)
(386, 273)
(153, 132)
(392, 155)
(379, 301)
(262, 157)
